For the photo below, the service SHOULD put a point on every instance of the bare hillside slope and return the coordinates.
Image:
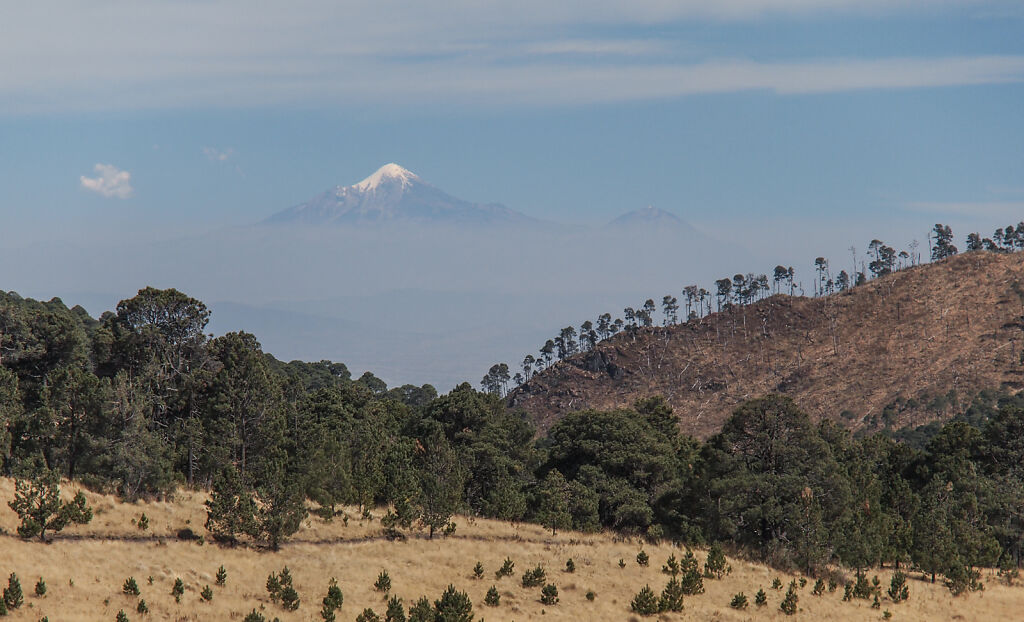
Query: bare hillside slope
(906, 341)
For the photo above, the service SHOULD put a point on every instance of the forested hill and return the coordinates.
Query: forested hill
(897, 351)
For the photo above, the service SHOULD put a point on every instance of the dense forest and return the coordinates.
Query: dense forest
(142, 401)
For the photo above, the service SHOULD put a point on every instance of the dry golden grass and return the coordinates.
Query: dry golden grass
(85, 567)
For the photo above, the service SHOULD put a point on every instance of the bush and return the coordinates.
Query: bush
(478, 571)
(37, 504)
(671, 596)
(760, 599)
(222, 576)
(960, 579)
(334, 598)
(776, 584)
(422, 611)
(591, 595)
(254, 616)
(453, 606)
(395, 612)
(832, 585)
(368, 616)
(273, 587)
(691, 579)
(534, 578)
(383, 582)
(645, 602)
(671, 566)
(121, 616)
(788, 605)
(206, 594)
(642, 558)
(898, 590)
(622, 563)
(40, 587)
(570, 566)
(492, 599)
(130, 587)
(861, 588)
(739, 601)
(289, 597)
(142, 608)
(819, 587)
(13, 596)
(178, 590)
(716, 565)
(549, 594)
(506, 569)
(143, 522)
(327, 614)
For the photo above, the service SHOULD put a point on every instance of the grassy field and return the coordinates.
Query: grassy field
(85, 567)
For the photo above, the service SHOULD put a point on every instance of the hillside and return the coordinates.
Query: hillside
(891, 352)
(85, 568)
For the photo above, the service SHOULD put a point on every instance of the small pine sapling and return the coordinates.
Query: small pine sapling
(130, 587)
(285, 577)
(739, 601)
(671, 566)
(273, 587)
(492, 599)
(178, 590)
(395, 611)
(222, 576)
(832, 585)
(142, 608)
(534, 577)
(478, 571)
(327, 614)
(591, 595)
(289, 597)
(368, 615)
(691, 579)
(789, 603)
(334, 598)
(898, 590)
(254, 616)
(876, 604)
(819, 587)
(40, 587)
(453, 605)
(622, 563)
(570, 566)
(121, 616)
(421, 611)
(645, 602)
(206, 594)
(642, 559)
(3, 607)
(848, 592)
(549, 594)
(143, 522)
(383, 582)
(803, 582)
(716, 566)
(506, 569)
(760, 599)
(776, 584)
(13, 596)
(672, 596)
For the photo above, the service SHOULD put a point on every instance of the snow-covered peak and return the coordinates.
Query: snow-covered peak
(386, 173)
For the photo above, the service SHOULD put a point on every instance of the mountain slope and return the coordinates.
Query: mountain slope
(393, 194)
(956, 325)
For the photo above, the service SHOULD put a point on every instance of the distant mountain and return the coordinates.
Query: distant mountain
(652, 218)
(393, 194)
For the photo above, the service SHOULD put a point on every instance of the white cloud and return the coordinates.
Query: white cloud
(110, 182)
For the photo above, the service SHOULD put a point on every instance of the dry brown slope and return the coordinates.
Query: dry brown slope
(955, 324)
(85, 567)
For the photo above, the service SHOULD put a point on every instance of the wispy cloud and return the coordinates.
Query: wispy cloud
(214, 154)
(110, 182)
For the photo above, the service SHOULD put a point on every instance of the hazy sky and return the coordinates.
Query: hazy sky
(793, 127)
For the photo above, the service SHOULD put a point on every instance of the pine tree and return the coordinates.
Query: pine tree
(395, 612)
(506, 570)
(368, 615)
(130, 587)
(534, 577)
(334, 598)
(671, 566)
(776, 584)
(206, 594)
(570, 566)
(142, 608)
(421, 611)
(121, 616)
(716, 564)
(671, 596)
(642, 558)
(383, 582)
(739, 601)
(178, 590)
(898, 590)
(289, 597)
(549, 594)
(691, 579)
(40, 587)
(819, 587)
(492, 599)
(645, 602)
(788, 605)
(760, 599)
(222, 576)
(478, 571)
(273, 587)
(453, 606)
(38, 506)
(13, 596)
(254, 616)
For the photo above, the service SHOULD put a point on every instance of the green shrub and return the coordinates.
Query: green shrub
(421, 611)
(121, 616)
(690, 578)
(819, 587)
(206, 594)
(645, 602)
(832, 585)
(591, 595)
(803, 582)
(222, 576)
(143, 522)
(739, 601)
(671, 566)
(289, 597)
(383, 582)
(622, 563)
(534, 578)
(3, 607)
(570, 566)
(395, 612)
(506, 569)
(478, 571)
(848, 592)
(549, 594)
(492, 599)
(788, 605)
(40, 587)
(760, 599)
(334, 598)
(142, 608)
(13, 596)
(254, 616)
(642, 558)
(776, 584)
(273, 587)
(130, 587)
(861, 588)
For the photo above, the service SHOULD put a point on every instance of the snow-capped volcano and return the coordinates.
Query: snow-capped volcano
(393, 194)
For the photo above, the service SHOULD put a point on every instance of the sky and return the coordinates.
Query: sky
(787, 127)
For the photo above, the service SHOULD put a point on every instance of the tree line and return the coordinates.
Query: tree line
(741, 290)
